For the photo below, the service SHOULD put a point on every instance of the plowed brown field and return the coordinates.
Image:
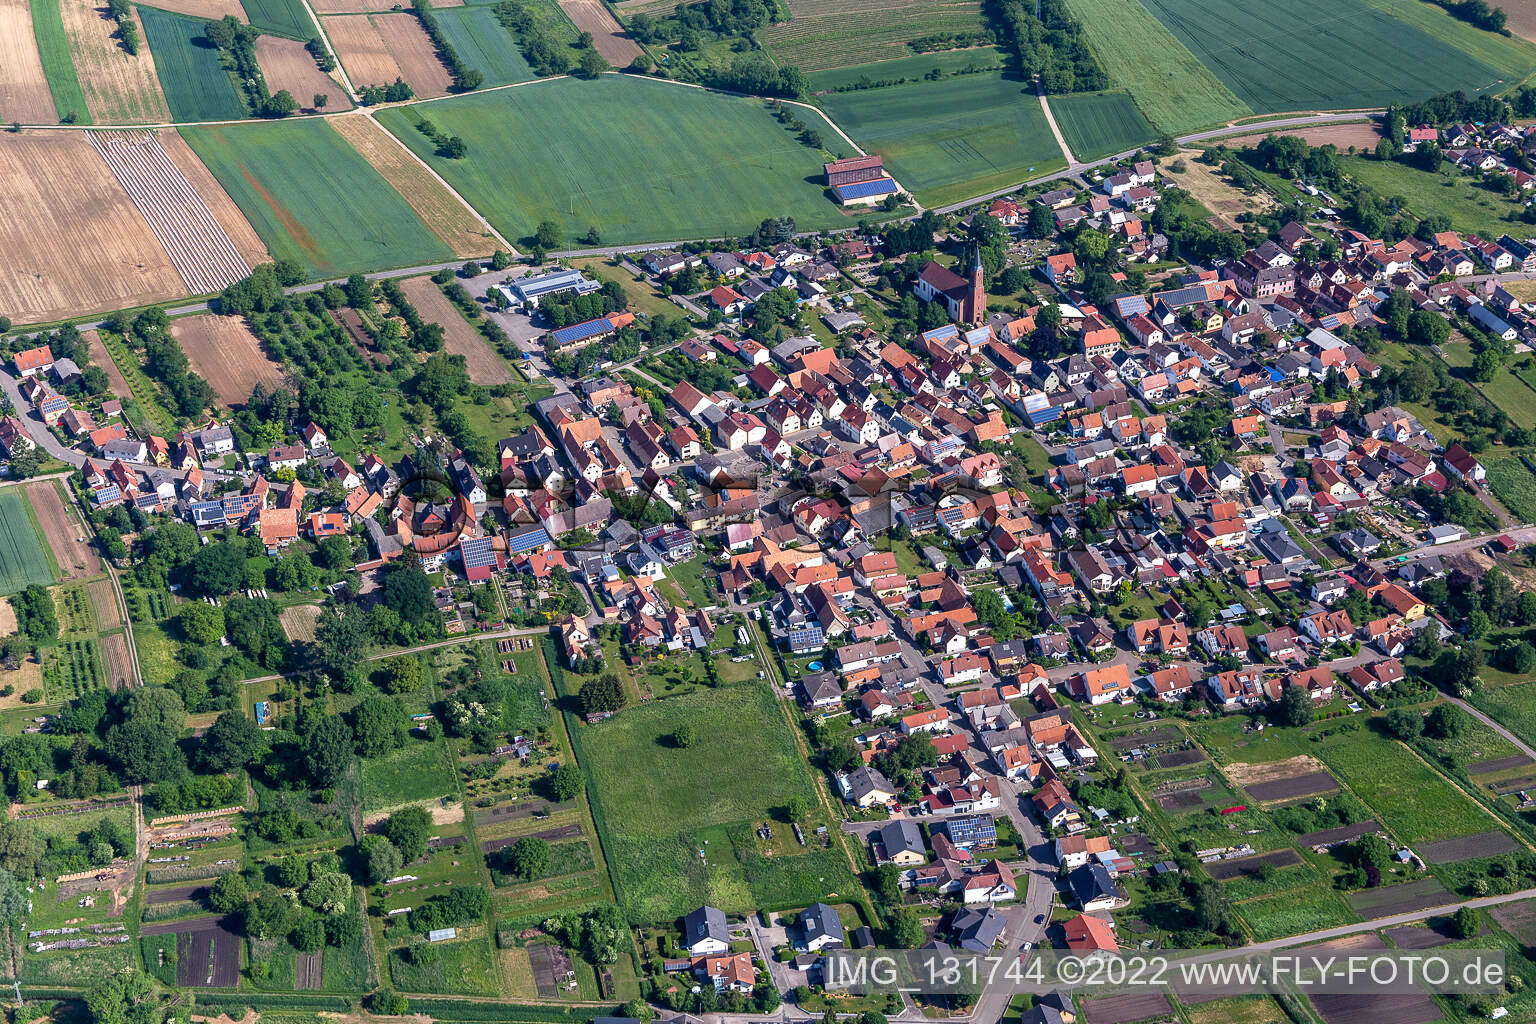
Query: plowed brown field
(227, 354)
(287, 65)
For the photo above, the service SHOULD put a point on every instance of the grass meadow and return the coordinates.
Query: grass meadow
(58, 65)
(1097, 124)
(23, 558)
(310, 196)
(483, 44)
(825, 34)
(1471, 207)
(1407, 796)
(951, 139)
(414, 773)
(678, 823)
(911, 68)
(1512, 481)
(196, 86)
(638, 159)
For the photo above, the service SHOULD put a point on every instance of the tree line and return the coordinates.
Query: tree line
(1050, 45)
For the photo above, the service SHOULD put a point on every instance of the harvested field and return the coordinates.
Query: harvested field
(310, 970)
(119, 664)
(7, 619)
(1361, 136)
(1222, 870)
(62, 533)
(1521, 16)
(205, 256)
(482, 362)
(1499, 765)
(1214, 192)
(1133, 1006)
(1484, 844)
(239, 230)
(608, 37)
(1247, 774)
(119, 88)
(71, 240)
(450, 220)
(102, 358)
(1400, 899)
(1342, 834)
(378, 48)
(287, 65)
(1179, 758)
(369, 6)
(223, 350)
(210, 10)
(299, 621)
(208, 957)
(176, 894)
(1290, 789)
(24, 93)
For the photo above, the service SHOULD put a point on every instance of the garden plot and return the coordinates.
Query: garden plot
(1519, 919)
(1222, 870)
(1409, 1008)
(1424, 936)
(1133, 1006)
(1179, 758)
(1500, 765)
(1484, 844)
(1392, 900)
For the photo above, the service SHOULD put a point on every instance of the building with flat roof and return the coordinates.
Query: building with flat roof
(527, 291)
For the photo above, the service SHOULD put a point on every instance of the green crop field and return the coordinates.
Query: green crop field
(280, 17)
(58, 65)
(952, 139)
(825, 34)
(1407, 796)
(912, 68)
(1140, 55)
(196, 86)
(1460, 197)
(483, 44)
(638, 159)
(23, 560)
(1097, 124)
(659, 806)
(1306, 54)
(310, 196)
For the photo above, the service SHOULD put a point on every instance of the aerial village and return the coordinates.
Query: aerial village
(989, 561)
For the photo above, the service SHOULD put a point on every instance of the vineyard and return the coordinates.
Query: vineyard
(838, 33)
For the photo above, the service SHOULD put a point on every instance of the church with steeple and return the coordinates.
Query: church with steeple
(965, 299)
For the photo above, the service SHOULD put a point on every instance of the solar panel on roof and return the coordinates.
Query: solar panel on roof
(865, 189)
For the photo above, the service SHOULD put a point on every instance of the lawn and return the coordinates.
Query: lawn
(1470, 207)
(196, 86)
(1097, 124)
(635, 158)
(907, 69)
(1408, 797)
(1304, 54)
(952, 139)
(483, 44)
(310, 196)
(677, 823)
(1175, 91)
(1513, 483)
(280, 17)
(58, 65)
(23, 558)
(415, 773)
